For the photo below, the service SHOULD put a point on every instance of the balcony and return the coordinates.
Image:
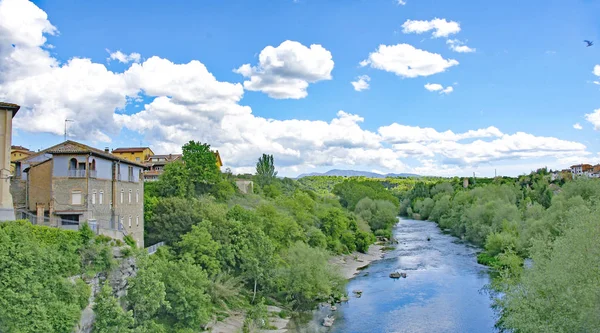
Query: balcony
(76, 173)
(93, 173)
(130, 178)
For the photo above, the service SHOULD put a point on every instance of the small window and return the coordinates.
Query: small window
(129, 196)
(73, 164)
(129, 221)
(93, 197)
(101, 197)
(137, 220)
(76, 197)
(122, 195)
(137, 196)
(137, 159)
(122, 220)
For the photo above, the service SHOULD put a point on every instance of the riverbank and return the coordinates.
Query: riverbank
(350, 264)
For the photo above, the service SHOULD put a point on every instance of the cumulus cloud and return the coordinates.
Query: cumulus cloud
(407, 61)
(124, 58)
(361, 83)
(286, 70)
(187, 102)
(439, 87)
(596, 70)
(577, 126)
(401, 2)
(594, 118)
(440, 27)
(459, 46)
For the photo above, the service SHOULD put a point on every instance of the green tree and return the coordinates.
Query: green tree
(308, 277)
(265, 170)
(199, 245)
(201, 164)
(146, 293)
(175, 181)
(110, 317)
(171, 218)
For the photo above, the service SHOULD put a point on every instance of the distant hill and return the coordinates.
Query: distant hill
(354, 173)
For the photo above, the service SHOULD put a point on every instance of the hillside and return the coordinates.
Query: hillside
(356, 173)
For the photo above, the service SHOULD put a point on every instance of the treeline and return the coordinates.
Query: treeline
(554, 224)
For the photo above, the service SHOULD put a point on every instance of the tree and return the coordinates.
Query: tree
(174, 181)
(201, 164)
(170, 219)
(265, 170)
(110, 317)
(199, 245)
(146, 293)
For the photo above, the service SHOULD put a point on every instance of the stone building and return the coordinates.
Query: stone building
(7, 112)
(71, 183)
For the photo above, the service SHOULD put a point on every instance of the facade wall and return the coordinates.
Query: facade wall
(103, 168)
(135, 209)
(138, 157)
(100, 210)
(18, 190)
(63, 188)
(40, 185)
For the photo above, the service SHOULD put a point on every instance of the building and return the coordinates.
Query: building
(7, 113)
(245, 186)
(155, 164)
(134, 154)
(17, 153)
(71, 183)
(581, 169)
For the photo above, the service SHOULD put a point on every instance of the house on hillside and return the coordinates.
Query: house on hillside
(154, 166)
(71, 183)
(17, 153)
(134, 154)
(581, 169)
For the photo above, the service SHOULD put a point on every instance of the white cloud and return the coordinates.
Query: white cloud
(361, 83)
(577, 126)
(440, 27)
(124, 58)
(407, 61)
(401, 2)
(594, 118)
(459, 46)
(187, 102)
(439, 87)
(596, 70)
(286, 70)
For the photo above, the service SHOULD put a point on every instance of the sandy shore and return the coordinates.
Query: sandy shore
(349, 264)
(235, 322)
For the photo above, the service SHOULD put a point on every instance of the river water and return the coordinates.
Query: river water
(443, 290)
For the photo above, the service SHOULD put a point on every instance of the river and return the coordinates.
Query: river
(443, 291)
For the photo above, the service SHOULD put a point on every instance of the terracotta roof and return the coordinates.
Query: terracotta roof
(9, 106)
(130, 149)
(72, 147)
(20, 148)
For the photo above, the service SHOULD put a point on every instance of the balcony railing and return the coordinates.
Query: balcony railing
(93, 173)
(77, 173)
(130, 178)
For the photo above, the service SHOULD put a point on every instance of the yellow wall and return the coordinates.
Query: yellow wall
(18, 154)
(138, 157)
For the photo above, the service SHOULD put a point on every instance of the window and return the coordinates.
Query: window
(137, 220)
(129, 196)
(121, 223)
(122, 194)
(75, 197)
(101, 197)
(93, 197)
(137, 196)
(130, 174)
(73, 164)
(129, 220)
(137, 159)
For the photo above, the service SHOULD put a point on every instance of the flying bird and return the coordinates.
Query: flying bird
(589, 43)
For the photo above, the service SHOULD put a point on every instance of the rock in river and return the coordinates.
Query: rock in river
(328, 321)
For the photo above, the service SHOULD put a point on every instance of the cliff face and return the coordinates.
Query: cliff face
(119, 281)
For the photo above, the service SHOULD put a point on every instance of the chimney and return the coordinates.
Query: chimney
(106, 150)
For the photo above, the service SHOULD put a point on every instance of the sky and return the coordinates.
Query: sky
(447, 88)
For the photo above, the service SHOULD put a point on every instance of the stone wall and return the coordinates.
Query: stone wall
(133, 209)
(40, 185)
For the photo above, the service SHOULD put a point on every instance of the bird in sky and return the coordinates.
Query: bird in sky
(589, 43)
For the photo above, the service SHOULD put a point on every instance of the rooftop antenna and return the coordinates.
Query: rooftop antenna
(66, 121)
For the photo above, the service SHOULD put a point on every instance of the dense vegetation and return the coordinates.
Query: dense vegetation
(553, 223)
(232, 251)
(41, 289)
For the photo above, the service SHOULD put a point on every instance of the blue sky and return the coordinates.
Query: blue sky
(527, 81)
